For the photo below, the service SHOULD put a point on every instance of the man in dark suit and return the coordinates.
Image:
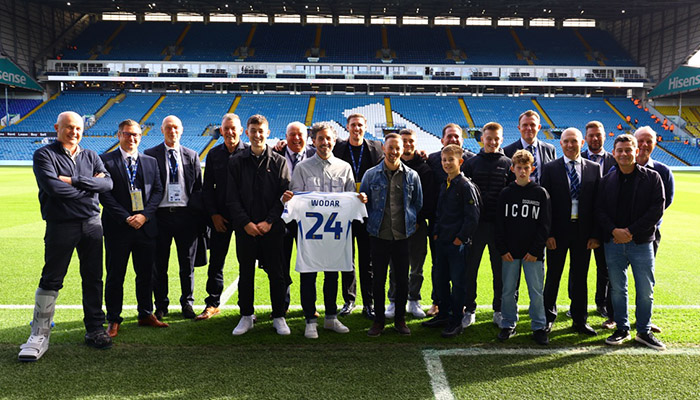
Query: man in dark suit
(595, 138)
(629, 204)
(572, 183)
(129, 221)
(362, 154)
(214, 199)
(294, 151)
(179, 215)
(451, 134)
(529, 126)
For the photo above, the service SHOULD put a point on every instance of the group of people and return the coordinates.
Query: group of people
(392, 199)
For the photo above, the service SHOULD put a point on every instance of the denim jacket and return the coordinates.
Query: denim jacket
(375, 185)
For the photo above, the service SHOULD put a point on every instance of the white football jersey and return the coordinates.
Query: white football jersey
(324, 238)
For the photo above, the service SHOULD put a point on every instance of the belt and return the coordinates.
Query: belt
(172, 209)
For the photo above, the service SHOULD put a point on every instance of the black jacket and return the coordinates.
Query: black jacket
(555, 180)
(373, 151)
(191, 169)
(491, 173)
(522, 224)
(215, 179)
(254, 191)
(457, 213)
(608, 161)
(63, 202)
(646, 208)
(117, 202)
(427, 181)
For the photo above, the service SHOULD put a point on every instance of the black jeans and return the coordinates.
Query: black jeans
(395, 251)
(349, 284)
(450, 266)
(180, 225)
(118, 246)
(485, 235)
(266, 249)
(85, 236)
(417, 251)
(218, 249)
(307, 281)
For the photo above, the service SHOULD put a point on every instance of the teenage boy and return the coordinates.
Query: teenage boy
(257, 178)
(522, 226)
(394, 198)
(490, 171)
(457, 216)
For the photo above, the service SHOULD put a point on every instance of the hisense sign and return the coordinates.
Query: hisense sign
(11, 75)
(683, 79)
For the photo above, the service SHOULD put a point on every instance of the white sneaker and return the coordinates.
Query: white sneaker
(390, 311)
(244, 325)
(497, 318)
(280, 325)
(415, 309)
(311, 332)
(334, 325)
(468, 319)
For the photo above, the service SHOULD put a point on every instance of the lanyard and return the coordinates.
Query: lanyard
(131, 172)
(173, 165)
(356, 166)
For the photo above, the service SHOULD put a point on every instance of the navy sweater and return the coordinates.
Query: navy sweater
(457, 213)
(61, 201)
(523, 220)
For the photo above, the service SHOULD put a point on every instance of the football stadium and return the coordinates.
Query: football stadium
(226, 126)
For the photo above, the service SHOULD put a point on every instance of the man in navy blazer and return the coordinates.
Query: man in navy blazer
(129, 222)
(529, 126)
(572, 183)
(629, 204)
(362, 154)
(179, 215)
(595, 139)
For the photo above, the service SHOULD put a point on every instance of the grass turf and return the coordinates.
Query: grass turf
(178, 361)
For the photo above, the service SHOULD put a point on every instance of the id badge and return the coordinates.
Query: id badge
(574, 209)
(136, 200)
(358, 187)
(174, 193)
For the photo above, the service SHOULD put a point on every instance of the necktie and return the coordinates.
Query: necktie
(575, 185)
(130, 165)
(296, 159)
(532, 149)
(595, 158)
(173, 166)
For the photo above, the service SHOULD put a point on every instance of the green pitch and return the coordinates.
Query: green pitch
(202, 360)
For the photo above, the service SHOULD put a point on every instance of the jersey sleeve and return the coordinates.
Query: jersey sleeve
(358, 210)
(289, 213)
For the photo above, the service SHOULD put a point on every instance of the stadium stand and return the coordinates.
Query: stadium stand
(15, 148)
(577, 112)
(197, 111)
(627, 107)
(691, 115)
(504, 110)
(18, 106)
(134, 106)
(686, 152)
(197, 45)
(279, 110)
(84, 103)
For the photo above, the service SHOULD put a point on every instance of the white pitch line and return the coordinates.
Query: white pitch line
(230, 290)
(441, 388)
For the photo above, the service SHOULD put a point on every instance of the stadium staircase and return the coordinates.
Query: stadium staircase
(590, 53)
(106, 46)
(242, 52)
(177, 46)
(545, 116)
(465, 111)
(150, 112)
(112, 101)
(316, 51)
(387, 110)
(454, 53)
(619, 114)
(234, 104)
(308, 119)
(524, 54)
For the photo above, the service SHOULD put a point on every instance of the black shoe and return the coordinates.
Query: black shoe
(603, 311)
(160, 313)
(98, 339)
(648, 339)
(619, 336)
(368, 312)
(435, 322)
(347, 308)
(584, 328)
(548, 327)
(188, 312)
(505, 334)
(452, 330)
(540, 337)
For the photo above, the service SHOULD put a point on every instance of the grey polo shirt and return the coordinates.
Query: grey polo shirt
(319, 175)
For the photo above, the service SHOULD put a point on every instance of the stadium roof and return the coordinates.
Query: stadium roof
(559, 9)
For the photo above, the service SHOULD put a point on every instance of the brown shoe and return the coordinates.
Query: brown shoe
(401, 328)
(654, 328)
(433, 311)
(208, 312)
(113, 329)
(609, 324)
(151, 320)
(376, 329)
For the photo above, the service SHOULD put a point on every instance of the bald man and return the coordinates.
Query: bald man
(179, 215)
(69, 179)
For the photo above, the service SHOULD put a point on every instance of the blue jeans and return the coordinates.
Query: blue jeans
(641, 258)
(534, 276)
(450, 266)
